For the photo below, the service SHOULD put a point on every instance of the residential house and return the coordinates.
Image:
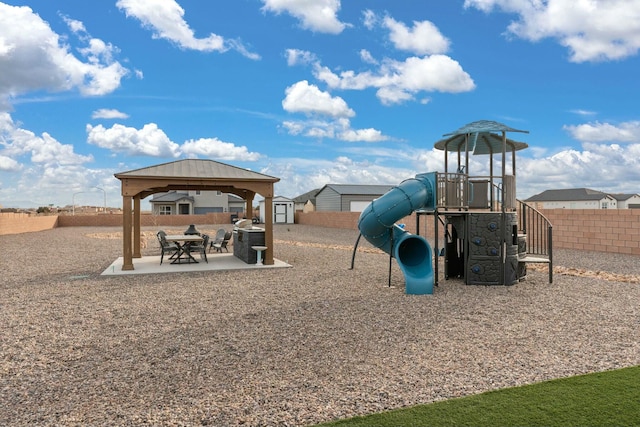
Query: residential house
(195, 202)
(348, 197)
(628, 201)
(306, 202)
(583, 198)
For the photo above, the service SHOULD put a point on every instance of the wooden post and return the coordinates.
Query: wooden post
(127, 256)
(268, 230)
(136, 227)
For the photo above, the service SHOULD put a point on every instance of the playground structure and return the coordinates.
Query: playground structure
(488, 236)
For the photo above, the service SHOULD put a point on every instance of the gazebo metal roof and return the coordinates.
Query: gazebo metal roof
(197, 168)
(194, 174)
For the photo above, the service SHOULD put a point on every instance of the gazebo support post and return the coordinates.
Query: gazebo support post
(136, 227)
(268, 229)
(248, 209)
(127, 256)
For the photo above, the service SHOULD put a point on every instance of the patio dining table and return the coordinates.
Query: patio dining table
(184, 243)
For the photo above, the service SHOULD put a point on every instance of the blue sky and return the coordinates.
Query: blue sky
(312, 92)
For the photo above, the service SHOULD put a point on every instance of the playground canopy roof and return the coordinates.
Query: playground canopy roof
(481, 138)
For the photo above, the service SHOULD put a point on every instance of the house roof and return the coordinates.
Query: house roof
(622, 197)
(352, 189)
(170, 197)
(174, 196)
(234, 198)
(571, 194)
(309, 195)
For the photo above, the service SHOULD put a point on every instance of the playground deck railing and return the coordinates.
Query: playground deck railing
(459, 191)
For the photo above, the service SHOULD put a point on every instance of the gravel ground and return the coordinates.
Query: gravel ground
(285, 347)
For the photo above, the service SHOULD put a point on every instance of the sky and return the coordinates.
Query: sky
(313, 92)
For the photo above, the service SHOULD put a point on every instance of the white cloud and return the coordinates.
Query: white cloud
(16, 142)
(40, 170)
(148, 141)
(75, 25)
(9, 164)
(302, 97)
(315, 15)
(293, 127)
(369, 19)
(300, 57)
(584, 112)
(105, 113)
(366, 56)
(591, 30)
(399, 81)
(605, 132)
(238, 46)
(166, 19)
(152, 141)
(604, 167)
(423, 39)
(216, 149)
(339, 129)
(367, 135)
(37, 59)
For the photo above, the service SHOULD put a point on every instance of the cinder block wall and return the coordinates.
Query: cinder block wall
(349, 220)
(146, 220)
(614, 231)
(602, 230)
(16, 223)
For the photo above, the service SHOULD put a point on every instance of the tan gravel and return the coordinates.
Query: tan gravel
(285, 347)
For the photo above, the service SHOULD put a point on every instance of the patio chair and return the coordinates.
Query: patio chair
(223, 244)
(218, 239)
(165, 246)
(201, 247)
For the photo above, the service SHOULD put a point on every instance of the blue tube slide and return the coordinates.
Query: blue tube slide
(412, 252)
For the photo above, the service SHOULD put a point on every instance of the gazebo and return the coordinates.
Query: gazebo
(190, 174)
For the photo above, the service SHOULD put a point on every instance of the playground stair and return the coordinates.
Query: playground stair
(534, 259)
(535, 235)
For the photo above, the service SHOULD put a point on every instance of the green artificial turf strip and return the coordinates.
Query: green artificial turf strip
(599, 399)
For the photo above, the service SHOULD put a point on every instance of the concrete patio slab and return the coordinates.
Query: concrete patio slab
(217, 262)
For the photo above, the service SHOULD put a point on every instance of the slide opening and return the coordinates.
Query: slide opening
(413, 251)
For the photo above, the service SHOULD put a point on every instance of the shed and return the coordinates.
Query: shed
(190, 174)
(283, 210)
(348, 197)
